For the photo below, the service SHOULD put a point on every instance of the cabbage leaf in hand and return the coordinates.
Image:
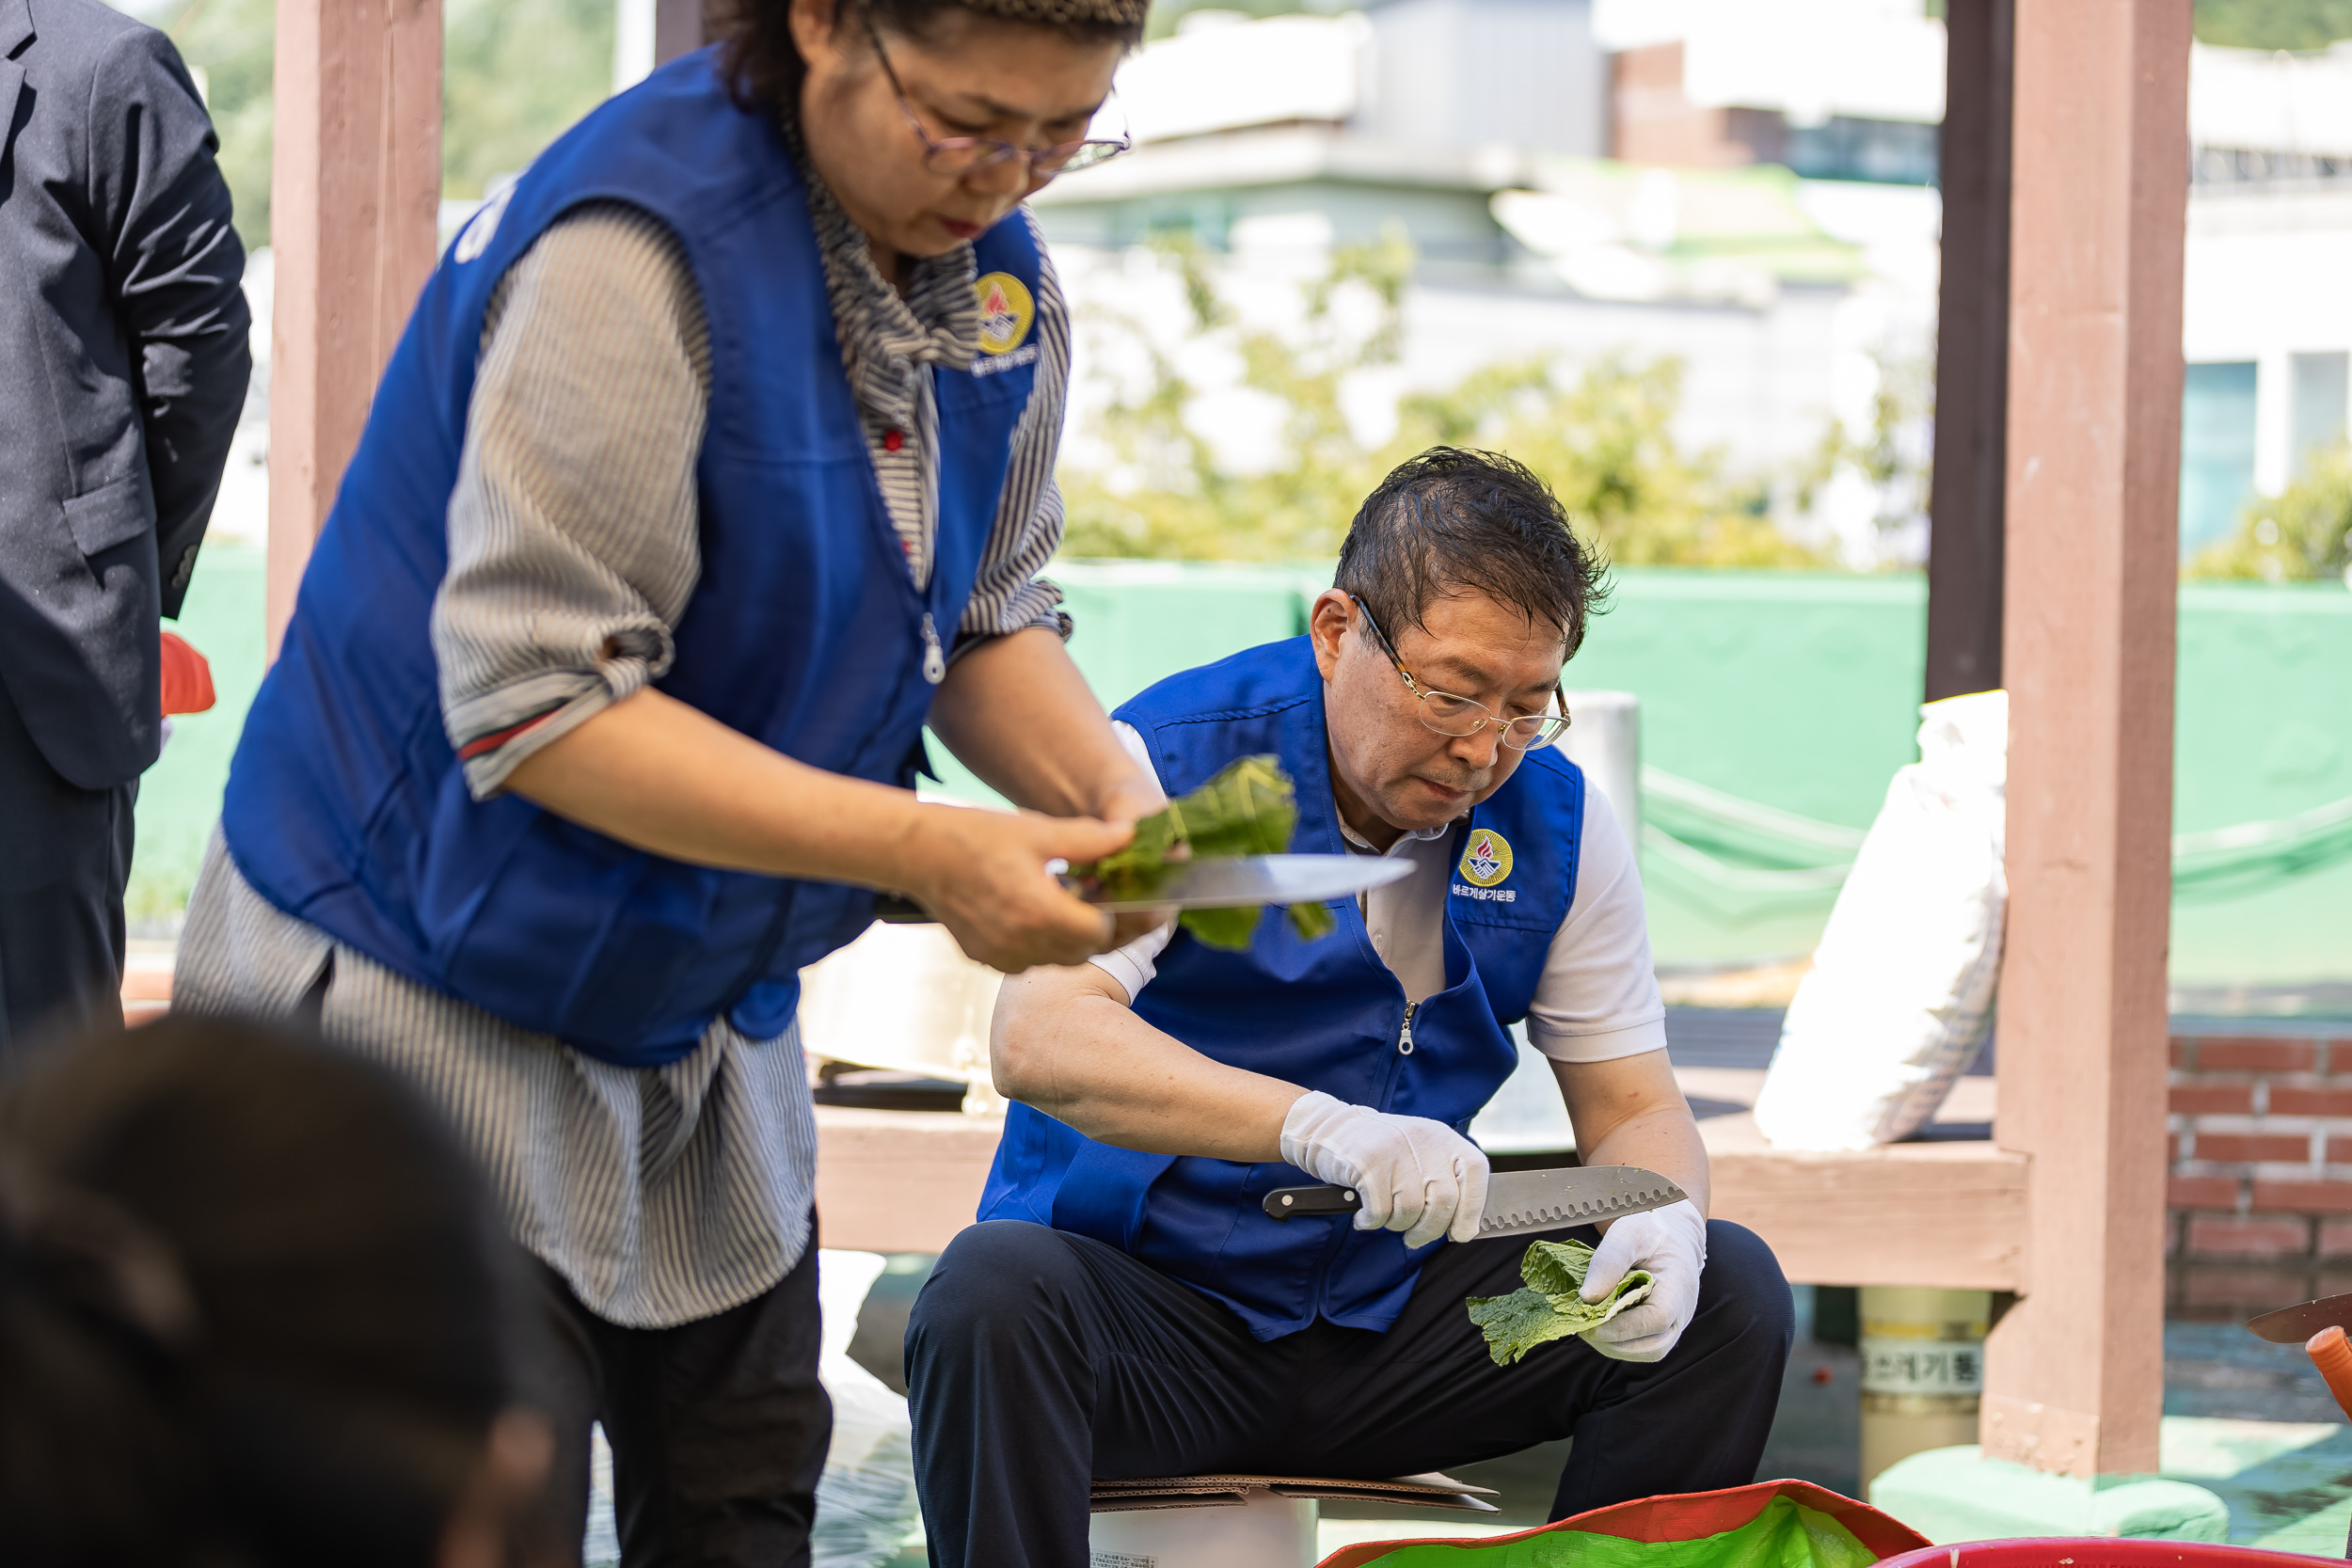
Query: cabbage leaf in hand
(1549, 1307)
(1249, 808)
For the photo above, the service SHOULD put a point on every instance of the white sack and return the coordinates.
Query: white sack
(1900, 997)
(865, 1498)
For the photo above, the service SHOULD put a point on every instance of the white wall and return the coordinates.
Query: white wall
(2268, 274)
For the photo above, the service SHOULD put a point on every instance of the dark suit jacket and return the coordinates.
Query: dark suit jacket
(123, 362)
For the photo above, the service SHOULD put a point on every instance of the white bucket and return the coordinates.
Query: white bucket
(1266, 1531)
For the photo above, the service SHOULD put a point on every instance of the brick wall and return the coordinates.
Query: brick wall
(2262, 1147)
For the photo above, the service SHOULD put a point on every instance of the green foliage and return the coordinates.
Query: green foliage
(2303, 534)
(1550, 1308)
(515, 73)
(1601, 438)
(1249, 808)
(1165, 14)
(1898, 457)
(231, 44)
(518, 72)
(2274, 24)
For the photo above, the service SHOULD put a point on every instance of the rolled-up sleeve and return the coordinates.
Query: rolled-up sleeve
(573, 544)
(1009, 595)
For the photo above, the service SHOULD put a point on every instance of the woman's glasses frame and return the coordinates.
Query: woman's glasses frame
(959, 155)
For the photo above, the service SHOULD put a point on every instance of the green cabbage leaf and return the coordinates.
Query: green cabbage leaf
(1249, 808)
(1549, 1307)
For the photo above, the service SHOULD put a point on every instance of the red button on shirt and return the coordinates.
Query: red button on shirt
(893, 439)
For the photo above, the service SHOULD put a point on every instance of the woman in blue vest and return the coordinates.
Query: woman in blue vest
(715, 459)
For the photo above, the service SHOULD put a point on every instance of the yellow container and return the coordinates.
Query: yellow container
(1922, 1371)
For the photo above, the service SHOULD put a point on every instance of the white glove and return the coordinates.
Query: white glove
(1412, 1174)
(1670, 1242)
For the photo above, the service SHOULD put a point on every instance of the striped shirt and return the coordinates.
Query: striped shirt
(669, 1194)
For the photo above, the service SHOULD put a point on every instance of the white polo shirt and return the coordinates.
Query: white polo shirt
(1597, 999)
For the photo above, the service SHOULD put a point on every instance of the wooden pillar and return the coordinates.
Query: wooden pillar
(2074, 1374)
(356, 186)
(679, 28)
(1971, 353)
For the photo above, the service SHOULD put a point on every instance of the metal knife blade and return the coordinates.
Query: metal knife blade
(2292, 1326)
(1226, 881)
(1233, 882)
(1519, 1202)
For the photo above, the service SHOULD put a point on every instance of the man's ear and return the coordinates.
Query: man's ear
(1329, 620)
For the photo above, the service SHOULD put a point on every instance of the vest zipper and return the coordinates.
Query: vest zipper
(1405, 1041)
(934, 659)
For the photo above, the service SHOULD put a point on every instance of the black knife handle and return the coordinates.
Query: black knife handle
(896, 909)
(1284, 1202)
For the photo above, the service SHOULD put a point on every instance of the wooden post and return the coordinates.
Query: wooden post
(1971, 353)
(356, 188)
(2075, 1373)
(679, 28)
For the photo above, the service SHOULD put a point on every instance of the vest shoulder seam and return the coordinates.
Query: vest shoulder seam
(1224, 716)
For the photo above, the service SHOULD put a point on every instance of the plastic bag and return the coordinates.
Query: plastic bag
(1900, 998)
(1772, 1524)
(866, 1504)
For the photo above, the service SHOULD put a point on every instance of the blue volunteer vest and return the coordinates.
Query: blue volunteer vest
(345, 805)
(1327, 1015)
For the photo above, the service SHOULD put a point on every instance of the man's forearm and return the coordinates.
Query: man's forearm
(1087, 1060)
(1017, 713)
(1665, 1141)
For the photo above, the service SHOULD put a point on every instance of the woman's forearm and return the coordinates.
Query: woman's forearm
(657, 773)
(1016, 711)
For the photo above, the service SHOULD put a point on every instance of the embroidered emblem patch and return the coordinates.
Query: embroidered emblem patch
(1487, 860)
(483, 227)
(1005, 311)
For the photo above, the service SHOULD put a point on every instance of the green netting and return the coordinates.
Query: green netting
(1786, 1535)
(1742, 854)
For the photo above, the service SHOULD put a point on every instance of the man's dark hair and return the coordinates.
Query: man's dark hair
(766, 68)
(1453, 521)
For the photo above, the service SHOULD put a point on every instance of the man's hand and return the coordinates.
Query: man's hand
(984, 874)
(1412, 1174)
(1670, 1242)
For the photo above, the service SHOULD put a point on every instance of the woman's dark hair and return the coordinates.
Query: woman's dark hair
(766, 68)
(1452, 520)
(251, 1308)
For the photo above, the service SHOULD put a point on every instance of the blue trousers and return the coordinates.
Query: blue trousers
(1038, 1360)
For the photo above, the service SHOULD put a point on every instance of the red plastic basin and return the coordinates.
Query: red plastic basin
(2093, 1551)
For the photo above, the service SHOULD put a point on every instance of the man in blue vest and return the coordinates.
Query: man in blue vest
(1127, 1309)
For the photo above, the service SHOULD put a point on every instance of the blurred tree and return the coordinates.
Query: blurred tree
(1601, 440)
(2301, 535)
(231, 44)
(517, 72)
(1165, 14)
(2274, 24)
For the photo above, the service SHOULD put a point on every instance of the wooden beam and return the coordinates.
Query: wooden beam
(1950, 1215)
(356, 188)
(679, 28)
(2074, 1375)
(899, 1181)
(1971, 353)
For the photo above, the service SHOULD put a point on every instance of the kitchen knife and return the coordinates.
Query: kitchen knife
(1233, 882)
(1519, 1202)
(1222, 882)
(2295, 1325)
